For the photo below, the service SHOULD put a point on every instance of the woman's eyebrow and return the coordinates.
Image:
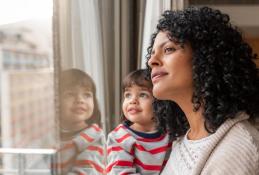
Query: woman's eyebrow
(161, 45)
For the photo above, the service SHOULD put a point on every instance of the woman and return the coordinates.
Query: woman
(200, 63)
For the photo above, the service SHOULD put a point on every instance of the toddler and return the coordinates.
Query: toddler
(82, 143)
(136, 146)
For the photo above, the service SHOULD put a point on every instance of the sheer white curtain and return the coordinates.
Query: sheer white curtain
(153, 12)
(81, 41)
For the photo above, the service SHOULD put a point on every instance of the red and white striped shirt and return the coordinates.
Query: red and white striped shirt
(84, 154)
(132, 152)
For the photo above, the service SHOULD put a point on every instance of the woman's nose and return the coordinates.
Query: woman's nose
(153, 61)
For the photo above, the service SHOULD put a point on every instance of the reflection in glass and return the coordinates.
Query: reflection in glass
(82, 139)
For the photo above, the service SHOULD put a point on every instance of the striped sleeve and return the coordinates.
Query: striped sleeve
(88, 137)
(67, 156)
(91, 159)
(120, 152)
(84, 155)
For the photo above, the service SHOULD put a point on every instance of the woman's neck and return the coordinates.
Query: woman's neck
(197, 130)
(195, 119)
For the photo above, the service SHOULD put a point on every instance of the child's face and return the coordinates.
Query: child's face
(137, 105)
(77, 106)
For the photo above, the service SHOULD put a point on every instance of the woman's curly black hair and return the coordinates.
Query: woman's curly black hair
(225, 76)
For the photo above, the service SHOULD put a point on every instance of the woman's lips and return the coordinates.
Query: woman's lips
(157, 75)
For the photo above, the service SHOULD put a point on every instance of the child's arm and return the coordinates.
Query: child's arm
(120, 163)
(84, 154)
(91, 160)
(120, 154)
(90, 153)
(66, 157)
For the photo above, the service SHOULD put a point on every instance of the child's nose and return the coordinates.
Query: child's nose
(79, 98)
(134, 100)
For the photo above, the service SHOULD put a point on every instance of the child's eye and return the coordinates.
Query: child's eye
(127, 95)
(169, 49)
(88, 95)
(144, 95)
(69, 94)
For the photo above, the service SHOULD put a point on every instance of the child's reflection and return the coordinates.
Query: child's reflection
(82, 143)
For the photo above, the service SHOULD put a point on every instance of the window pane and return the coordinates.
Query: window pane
(27, 96)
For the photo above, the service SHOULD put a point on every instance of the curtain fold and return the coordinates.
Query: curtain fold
(121, 23)
(81, 42)
(153, 12)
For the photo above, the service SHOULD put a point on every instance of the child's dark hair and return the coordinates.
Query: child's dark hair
(138, 78)
(74, 77)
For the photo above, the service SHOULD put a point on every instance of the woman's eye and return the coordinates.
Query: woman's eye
(169, 49)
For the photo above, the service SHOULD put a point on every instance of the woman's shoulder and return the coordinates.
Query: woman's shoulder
(245, 130)
(239, 130)
(237, 152)
(242, 140)
(243, 133)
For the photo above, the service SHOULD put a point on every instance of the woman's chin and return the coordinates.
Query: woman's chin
(159, 93)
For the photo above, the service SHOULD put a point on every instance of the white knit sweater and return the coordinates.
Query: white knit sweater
(233, 149)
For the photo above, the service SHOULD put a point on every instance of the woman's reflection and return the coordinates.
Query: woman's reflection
(82, 139)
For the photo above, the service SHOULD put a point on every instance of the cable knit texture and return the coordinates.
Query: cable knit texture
(233, 149)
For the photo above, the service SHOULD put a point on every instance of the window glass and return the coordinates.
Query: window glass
(27, 96)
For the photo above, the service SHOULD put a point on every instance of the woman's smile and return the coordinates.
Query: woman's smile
(157, 75)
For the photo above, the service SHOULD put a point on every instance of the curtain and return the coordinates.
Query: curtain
(108, 39)
(153, 12)
(80, 41)
(121, 23)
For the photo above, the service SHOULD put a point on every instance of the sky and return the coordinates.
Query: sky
(12, 11)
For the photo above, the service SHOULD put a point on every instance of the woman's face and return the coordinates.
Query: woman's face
(171, 68)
